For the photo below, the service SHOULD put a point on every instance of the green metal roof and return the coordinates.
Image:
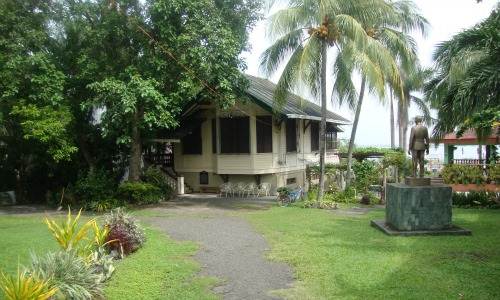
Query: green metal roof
(262, 90)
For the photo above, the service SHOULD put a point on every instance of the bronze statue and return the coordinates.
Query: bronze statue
(418, 146)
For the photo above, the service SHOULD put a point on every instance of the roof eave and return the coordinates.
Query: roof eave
(307, 117)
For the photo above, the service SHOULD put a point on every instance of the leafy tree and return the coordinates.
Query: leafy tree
(34, 115)
(467, 74)
(140, 62)
(306, 31)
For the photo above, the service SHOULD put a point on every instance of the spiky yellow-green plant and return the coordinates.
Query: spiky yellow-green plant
(69, 235)
(24, 286)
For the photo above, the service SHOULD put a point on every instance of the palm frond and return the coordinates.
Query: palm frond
(276, 54)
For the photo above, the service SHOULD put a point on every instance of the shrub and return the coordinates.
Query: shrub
(69, 274)
(94, 186)
(367, 173)
(125, 235)
(156, 177)
(103, 205)
(494, 174)
(476, 199)
(462, 174)
(25, 286)
(139, 193)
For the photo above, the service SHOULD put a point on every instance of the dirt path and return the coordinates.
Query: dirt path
(229, 249)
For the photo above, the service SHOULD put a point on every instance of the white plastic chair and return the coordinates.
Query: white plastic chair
(250, 189)
(264, 188)
(239, 189)
(225, 189)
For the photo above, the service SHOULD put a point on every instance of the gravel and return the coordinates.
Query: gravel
(231, 251)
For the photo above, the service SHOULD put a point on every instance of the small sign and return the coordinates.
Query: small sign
(203, 177)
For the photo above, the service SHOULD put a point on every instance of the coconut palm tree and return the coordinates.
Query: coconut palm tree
(305, 31)
(466, 79)
(392, 34)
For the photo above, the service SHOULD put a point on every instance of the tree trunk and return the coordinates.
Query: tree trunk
(405, 126)
(393, 142)
(400, 124)
(322, 128)
(354, 129)
(135, 149)
(89, 159)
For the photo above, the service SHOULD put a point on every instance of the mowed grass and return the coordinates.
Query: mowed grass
(21, 235)
(161, 269)
(342, 257)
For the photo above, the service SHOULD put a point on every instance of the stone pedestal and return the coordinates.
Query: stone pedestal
(414, 210)
(418, 207)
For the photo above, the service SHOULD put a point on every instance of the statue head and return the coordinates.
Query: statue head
(418, 120)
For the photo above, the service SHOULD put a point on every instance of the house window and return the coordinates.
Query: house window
(331, 140)
(264, 134)
(291, 135)
(292, 180)
(314, 136)
(235, 135)
(191, 143)
(214, 136)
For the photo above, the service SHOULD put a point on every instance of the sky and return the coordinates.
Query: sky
(446, 18)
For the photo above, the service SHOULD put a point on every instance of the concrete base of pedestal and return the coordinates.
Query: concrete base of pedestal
(387, 229)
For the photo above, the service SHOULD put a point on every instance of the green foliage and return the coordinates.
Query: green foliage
(483, 122)
(94, 186)
(466, 83)
(367, 173)
(463, 174)
(139, 193)
(155, 176)
(494, 173)
(24, 286)
(394, 159)
(68, 273)
(475, 199)
(330, 169)
(125, 99)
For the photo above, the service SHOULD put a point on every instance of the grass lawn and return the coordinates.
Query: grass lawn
(337, 256)
(162, 269)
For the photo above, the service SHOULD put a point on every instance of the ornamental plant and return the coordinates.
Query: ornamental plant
(69, 274)
(25, 286)
(125, 235)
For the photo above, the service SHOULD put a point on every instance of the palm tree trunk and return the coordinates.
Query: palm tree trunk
(322, 128)
(393, 142)
(405, 127)
(400, 125)
(354, 129)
